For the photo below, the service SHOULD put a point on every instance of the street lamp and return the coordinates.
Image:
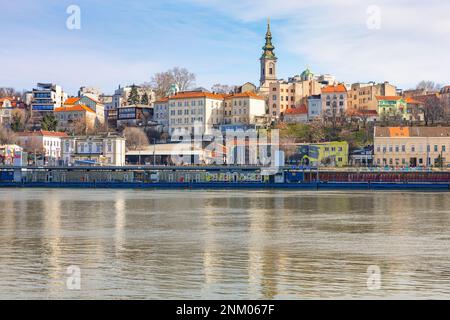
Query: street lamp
(154, 151)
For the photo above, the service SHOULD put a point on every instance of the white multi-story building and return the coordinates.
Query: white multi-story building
(186, 109)
(93, 150)
(243, 108)
(47, 97)
(46, 143)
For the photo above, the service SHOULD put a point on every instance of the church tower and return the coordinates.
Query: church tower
(268, 62)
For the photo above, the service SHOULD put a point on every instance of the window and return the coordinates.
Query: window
(274, 97)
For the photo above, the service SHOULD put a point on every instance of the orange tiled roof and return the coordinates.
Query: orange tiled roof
(334, 89)
(247, 94)
(197, 94)
(413, 101)
(399, 132)
(78, 107)
(395, 98)
(42, 133)
(300, 110)
(71, 101)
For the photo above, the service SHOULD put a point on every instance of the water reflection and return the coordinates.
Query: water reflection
(223, 244)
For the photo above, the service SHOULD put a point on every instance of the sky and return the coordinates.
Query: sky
(126, 42)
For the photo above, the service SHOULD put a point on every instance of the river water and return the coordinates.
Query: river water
(145, 244)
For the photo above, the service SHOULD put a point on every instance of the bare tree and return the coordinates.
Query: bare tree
(6, 92)
(34, 147)
(223, 88)
(7, 136)
(183, 78)
(78, 126)
(433, 109)
(429, 86)
(162, 81)
(136, 138)
(445, 103)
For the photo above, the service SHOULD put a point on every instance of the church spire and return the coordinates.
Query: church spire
(268, 47)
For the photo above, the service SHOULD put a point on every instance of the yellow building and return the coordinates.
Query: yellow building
(333, 154)
(412, 146)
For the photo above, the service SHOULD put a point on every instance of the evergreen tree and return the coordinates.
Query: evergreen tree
(16, 124)
(49, 122)
(144, 99)
(134, 95)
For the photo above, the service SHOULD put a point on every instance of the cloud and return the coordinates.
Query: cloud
(221, 40)
(413, 42)
(74, 69)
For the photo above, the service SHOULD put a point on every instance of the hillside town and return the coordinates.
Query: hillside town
(322, 120)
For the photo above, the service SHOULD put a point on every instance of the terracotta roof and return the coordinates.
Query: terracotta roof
(413, 101)
(300, 110)
(42, 133)
(77, 107)
(412, 132)
(197, 94)
(71, 101)
(247, 94)
(389, 98)
(334, 89)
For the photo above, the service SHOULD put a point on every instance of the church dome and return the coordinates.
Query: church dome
(307, 75)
